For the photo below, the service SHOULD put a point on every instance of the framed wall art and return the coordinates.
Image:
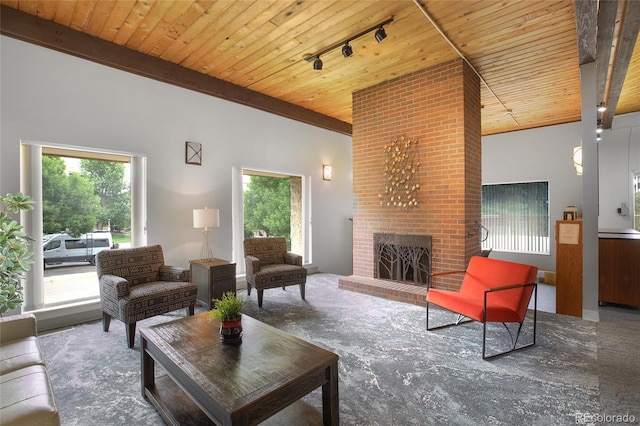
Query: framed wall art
(193, 153)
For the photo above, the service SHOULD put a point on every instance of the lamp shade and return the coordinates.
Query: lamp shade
(206, 218)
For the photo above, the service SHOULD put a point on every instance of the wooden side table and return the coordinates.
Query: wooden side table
(213, 278)
(569, 267)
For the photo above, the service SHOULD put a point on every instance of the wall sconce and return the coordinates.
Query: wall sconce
(206, 218)
(577, 159)
(327, 172)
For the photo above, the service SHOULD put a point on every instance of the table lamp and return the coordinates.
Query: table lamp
(206, 218)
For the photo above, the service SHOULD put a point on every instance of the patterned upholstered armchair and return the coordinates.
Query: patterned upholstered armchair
(269, 265)
(136, 284)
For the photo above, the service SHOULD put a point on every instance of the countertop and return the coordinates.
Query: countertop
(621, 234)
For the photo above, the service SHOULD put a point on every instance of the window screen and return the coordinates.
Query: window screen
(517, 217)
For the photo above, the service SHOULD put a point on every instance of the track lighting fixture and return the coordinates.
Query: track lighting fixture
(599, 137)
(380, 34)
(347, 50)
(602, 107)
(599, 129)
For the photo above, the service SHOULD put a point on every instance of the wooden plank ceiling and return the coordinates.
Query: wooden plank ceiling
(526, 51)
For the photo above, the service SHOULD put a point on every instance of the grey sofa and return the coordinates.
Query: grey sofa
(27, 395)
(136, 284)
(269, 265)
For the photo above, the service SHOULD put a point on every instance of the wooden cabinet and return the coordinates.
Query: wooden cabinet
(213, 278)
(569, 267)
(619, 268)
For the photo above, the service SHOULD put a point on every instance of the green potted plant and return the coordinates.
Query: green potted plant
(228, 310)
(15, 257)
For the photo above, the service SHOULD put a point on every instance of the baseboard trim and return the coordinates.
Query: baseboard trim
(590, 315)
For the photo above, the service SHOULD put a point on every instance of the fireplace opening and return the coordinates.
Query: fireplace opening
(403, 258)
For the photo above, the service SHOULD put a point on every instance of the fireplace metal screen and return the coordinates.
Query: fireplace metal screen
(403, 258)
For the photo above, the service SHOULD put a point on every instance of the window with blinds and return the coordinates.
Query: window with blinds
(517, 217)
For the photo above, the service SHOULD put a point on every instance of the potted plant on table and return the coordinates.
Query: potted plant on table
(15, 256)
(228, 310)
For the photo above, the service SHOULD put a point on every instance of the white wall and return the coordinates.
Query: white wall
(56, 98)
(545, 154)
(542, 154)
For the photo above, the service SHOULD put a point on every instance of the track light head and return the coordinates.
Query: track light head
(600, 127)
(347, 50)
(602, 107)
(380, 34)
(317, 64)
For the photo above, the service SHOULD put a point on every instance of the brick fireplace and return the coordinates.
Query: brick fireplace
(438, 108)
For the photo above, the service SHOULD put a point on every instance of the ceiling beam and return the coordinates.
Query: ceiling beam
(32, 29)
(623, 44)
(586, 24)
(607, 12)
(607, 32)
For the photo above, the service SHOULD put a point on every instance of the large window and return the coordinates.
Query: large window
(295, 210)
(517, 217)
(85, 201)
(272, 206)
(636, 203)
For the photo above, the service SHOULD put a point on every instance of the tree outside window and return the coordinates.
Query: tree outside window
(81, 201)
(267, 207)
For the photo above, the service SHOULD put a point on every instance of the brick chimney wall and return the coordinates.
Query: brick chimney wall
(440, 108)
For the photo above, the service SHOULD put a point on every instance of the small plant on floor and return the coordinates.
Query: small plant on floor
(15, 257)
(228, 308)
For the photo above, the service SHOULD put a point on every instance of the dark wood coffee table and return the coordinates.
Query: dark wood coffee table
(208, 382)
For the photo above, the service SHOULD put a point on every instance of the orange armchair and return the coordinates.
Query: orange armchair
(492, 290)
